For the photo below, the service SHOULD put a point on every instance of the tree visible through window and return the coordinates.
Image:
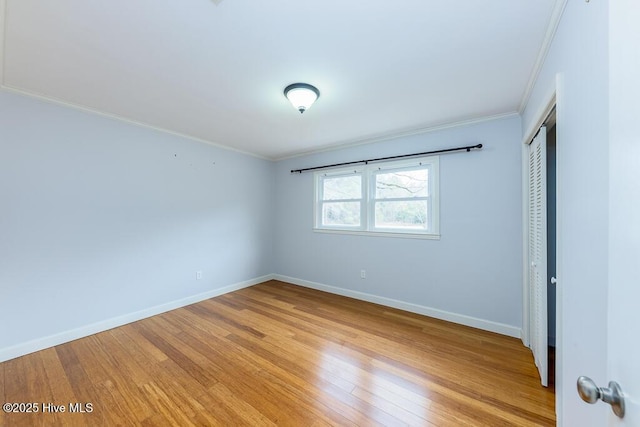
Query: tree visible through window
(398, 197)
(342, 198)
(401, 199)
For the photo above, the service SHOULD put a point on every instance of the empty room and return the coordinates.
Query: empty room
(224, 212)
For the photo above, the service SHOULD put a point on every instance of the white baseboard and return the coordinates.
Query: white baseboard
(487, 325)
(94, 328)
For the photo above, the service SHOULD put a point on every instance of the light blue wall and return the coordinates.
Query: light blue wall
(474, 270)
(579, 56)
(100, 218)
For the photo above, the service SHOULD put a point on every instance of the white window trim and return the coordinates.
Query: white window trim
(367, 206)
(317, 205)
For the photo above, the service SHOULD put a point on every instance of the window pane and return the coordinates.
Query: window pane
(408, 214)
(411, 183)
(341, 213)
(342, 187)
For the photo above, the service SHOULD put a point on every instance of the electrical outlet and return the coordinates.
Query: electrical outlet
(198, 275)
(363, 274)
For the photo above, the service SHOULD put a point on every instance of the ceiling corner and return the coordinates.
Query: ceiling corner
(554, 22)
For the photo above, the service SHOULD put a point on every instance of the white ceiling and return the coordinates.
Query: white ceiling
(215, 70)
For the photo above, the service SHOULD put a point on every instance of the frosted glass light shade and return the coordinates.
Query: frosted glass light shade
(301, 95)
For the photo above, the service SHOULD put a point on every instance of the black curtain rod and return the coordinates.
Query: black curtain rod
(380, 159)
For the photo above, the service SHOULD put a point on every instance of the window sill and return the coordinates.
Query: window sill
(424, 236)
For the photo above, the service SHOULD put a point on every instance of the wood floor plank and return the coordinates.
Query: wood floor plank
(279, 354)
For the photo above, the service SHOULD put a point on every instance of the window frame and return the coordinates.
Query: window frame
(368, 199)
(319, 201)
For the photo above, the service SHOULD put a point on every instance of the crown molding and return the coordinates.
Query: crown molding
(399, 134)
(552, 28)
(94, 111)
(332, 147)
(51, 100)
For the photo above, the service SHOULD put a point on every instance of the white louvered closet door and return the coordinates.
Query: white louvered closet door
(538, 252)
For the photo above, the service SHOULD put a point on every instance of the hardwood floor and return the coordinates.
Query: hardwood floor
(278, 354)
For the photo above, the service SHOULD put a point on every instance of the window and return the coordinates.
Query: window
(387, 198)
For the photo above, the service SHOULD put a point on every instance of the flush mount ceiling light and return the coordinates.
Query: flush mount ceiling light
(301, 95)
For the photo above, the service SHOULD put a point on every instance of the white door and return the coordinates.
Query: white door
(538, 252)
(623, 323)
(624, 207)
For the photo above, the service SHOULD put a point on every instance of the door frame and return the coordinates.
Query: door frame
(552, 100)
(528, 137)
